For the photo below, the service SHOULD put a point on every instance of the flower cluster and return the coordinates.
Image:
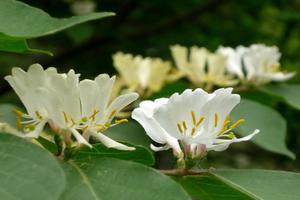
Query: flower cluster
(144, 75)
(70, 107)
(257, 64)
(242, 67)
(191, 123)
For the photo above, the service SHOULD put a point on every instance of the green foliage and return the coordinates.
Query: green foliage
(21, 22)
(28, 172)
(140, 154)
(242, 185)
(111, 179)
(288, 92)
(271, 124)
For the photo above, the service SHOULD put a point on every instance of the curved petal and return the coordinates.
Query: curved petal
(108, 142)
(80, 139)
(223, 144)
(118, 104)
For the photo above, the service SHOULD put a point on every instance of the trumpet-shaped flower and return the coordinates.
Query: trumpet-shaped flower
(193, 122)
(201, 66)
(257, 64)
(145, 75)
(69, 106)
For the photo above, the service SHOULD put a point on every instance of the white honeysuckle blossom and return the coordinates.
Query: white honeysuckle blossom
(69, 106)
(257, 64)
(145, 75)
(202, 66)
(197, 120)
(30, 87)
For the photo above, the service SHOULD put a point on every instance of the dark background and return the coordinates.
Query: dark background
(149, 27)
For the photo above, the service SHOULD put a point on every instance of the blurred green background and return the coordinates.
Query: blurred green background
(150, 27)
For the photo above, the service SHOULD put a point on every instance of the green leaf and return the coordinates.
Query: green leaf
(288, 92)
(28, 172)
(130, 132)
(140, 154)
(20, 21)
(112, 179)
(7, 115)
(271, 124)
(243, 185)
(17, 45)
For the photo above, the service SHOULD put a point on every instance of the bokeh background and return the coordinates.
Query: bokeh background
(150, 27)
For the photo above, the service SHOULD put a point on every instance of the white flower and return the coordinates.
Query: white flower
(199, 121)
(69, 106)
(30, 87)
(141, 74)
(202, 66)
(257, 64)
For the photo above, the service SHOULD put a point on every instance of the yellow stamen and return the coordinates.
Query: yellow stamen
(200, 121)
(107, 124)
(94, 115)
(194, 117)
(38, 115)
(112, 114)
(193, 131)
(184, 125)
(18, 113)
(121, 121)
(216, 119)
(73, 122)
(238, 122)
(179, 128)
(66, 117)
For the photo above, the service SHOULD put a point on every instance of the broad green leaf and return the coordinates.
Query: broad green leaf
(140, 154)
(208, 187)
(17, 45)
(130, 132)
(112, 179)
(271, 124)
(290, 93)
(242, 185)
(7, 114)
(20, 21)
(28, 172)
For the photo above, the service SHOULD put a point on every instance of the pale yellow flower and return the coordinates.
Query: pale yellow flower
(144, 75)
(202, 67)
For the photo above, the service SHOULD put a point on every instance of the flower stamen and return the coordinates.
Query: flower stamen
(179, 128)
(216, 119)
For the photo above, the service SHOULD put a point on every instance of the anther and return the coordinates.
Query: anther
(200, 121)
(93, 116)
(66, 117)
(194, 117)
(238, 122)
(121, 121)
(179, 128)
(39, 116)
(216, 119)
(193, 131)
(112, 114)
(184, 125)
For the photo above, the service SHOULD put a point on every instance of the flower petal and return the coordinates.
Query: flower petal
(108, 142)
